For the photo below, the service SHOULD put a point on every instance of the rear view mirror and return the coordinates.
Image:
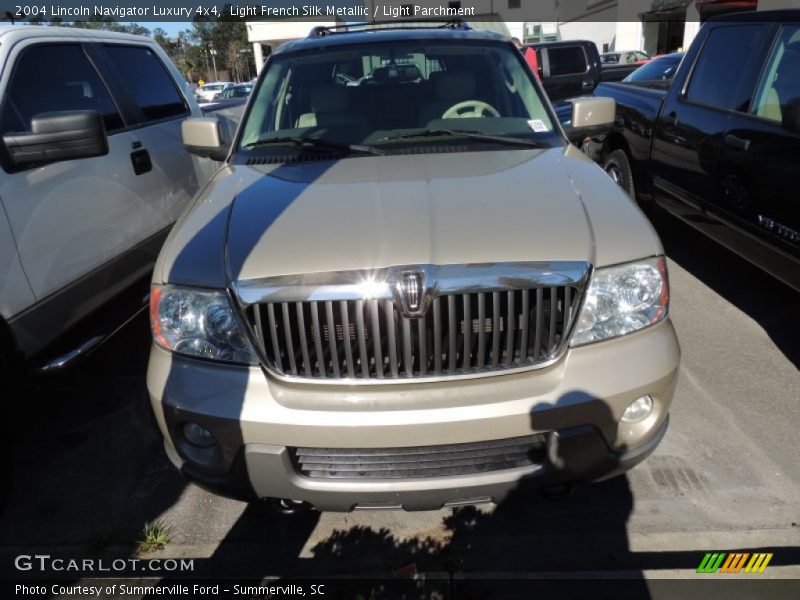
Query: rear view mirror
(202, 136)
(55, 136)
(590, 117)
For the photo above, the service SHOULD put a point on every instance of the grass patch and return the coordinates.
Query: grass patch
(155, 536)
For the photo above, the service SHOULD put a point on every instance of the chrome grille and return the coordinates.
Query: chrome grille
(460, 334)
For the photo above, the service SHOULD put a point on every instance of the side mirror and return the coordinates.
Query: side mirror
(791, 115)
(202, 136)
(590, 117)
(55, 136)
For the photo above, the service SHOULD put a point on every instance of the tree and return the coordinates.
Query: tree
(228, 36)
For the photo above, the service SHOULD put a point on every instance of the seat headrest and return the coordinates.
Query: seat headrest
(789, 68)
(454, 85)
(328, 99)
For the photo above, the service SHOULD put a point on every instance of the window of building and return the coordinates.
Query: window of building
(514, 3)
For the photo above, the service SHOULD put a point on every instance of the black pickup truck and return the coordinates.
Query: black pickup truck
(567, 68)
(720, 148)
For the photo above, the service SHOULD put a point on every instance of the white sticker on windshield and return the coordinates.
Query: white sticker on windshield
(538, 125)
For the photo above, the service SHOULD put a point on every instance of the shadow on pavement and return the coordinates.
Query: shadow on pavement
(765, 299)
(524, 533)
(91, 470)
(89, 467)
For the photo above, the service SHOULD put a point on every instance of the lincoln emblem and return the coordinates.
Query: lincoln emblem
(411, 290)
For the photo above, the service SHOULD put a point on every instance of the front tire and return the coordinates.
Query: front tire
(619, 169)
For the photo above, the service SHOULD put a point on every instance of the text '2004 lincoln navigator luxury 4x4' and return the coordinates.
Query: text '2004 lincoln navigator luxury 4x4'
(405, 289)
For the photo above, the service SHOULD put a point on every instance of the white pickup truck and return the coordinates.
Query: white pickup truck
(94, 174)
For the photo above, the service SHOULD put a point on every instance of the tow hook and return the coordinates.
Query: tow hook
(557, 492)
(285, 506)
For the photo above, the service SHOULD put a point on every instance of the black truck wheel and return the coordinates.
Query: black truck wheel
(619, 169)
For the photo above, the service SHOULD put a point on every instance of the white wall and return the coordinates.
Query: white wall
(692, 25)
(602, 32)
(516, 29)
(629, 36)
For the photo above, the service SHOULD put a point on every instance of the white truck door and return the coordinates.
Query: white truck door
(71, 217)
(161, 108)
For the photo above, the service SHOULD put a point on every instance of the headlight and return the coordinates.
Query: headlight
(198, 323)
(623, 299)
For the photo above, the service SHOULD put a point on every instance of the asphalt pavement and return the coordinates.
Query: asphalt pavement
(89, 468)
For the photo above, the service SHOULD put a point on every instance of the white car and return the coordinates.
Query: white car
(206, 92)
(94, 174)
(624, 57)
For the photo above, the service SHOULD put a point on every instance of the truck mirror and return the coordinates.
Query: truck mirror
(590, 117)
(56, 136)
(202, 137)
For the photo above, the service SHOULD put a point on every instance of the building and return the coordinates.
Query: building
(500, 15)
(654, 26)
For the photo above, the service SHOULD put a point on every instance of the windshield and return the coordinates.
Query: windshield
(237, 92)
(609, 58)
(381, 95)
(659, 69)
(211, 88)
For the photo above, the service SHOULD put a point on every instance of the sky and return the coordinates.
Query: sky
(171, 27)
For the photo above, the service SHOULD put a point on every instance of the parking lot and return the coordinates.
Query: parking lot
(90, 469)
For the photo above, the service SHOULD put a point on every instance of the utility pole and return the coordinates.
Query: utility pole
(214, 60)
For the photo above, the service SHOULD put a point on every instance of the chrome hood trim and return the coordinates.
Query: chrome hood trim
(376, 284)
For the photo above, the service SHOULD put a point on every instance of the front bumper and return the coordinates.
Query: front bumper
(577, 403)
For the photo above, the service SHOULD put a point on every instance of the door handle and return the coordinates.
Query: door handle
(735, 141)
(587, 84)
(140, 159)
(671, 119)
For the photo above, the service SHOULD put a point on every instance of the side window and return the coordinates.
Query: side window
(148, 81)
(567, 60)
(779, 89)
(52, 78)
(719, 71)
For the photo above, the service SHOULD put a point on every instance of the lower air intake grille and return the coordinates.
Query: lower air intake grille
(420, 461)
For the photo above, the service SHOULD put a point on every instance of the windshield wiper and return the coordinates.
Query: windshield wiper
(317, 144)
(475, 135)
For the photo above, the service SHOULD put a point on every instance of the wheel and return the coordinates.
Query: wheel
(619, 169)
(6, 431)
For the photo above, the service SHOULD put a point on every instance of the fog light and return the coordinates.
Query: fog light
(198, 436)
(638, 410)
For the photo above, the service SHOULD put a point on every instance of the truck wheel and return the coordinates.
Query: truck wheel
(619, 169)
(9, 374)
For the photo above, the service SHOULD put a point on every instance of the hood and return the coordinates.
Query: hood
(450, 208)
(372, 212)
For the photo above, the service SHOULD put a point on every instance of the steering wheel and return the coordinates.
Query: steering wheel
(470, 109)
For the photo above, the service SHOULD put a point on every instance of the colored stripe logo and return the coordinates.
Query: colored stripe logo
(734, 562)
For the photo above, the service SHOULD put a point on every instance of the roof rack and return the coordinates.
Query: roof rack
(325, 30)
